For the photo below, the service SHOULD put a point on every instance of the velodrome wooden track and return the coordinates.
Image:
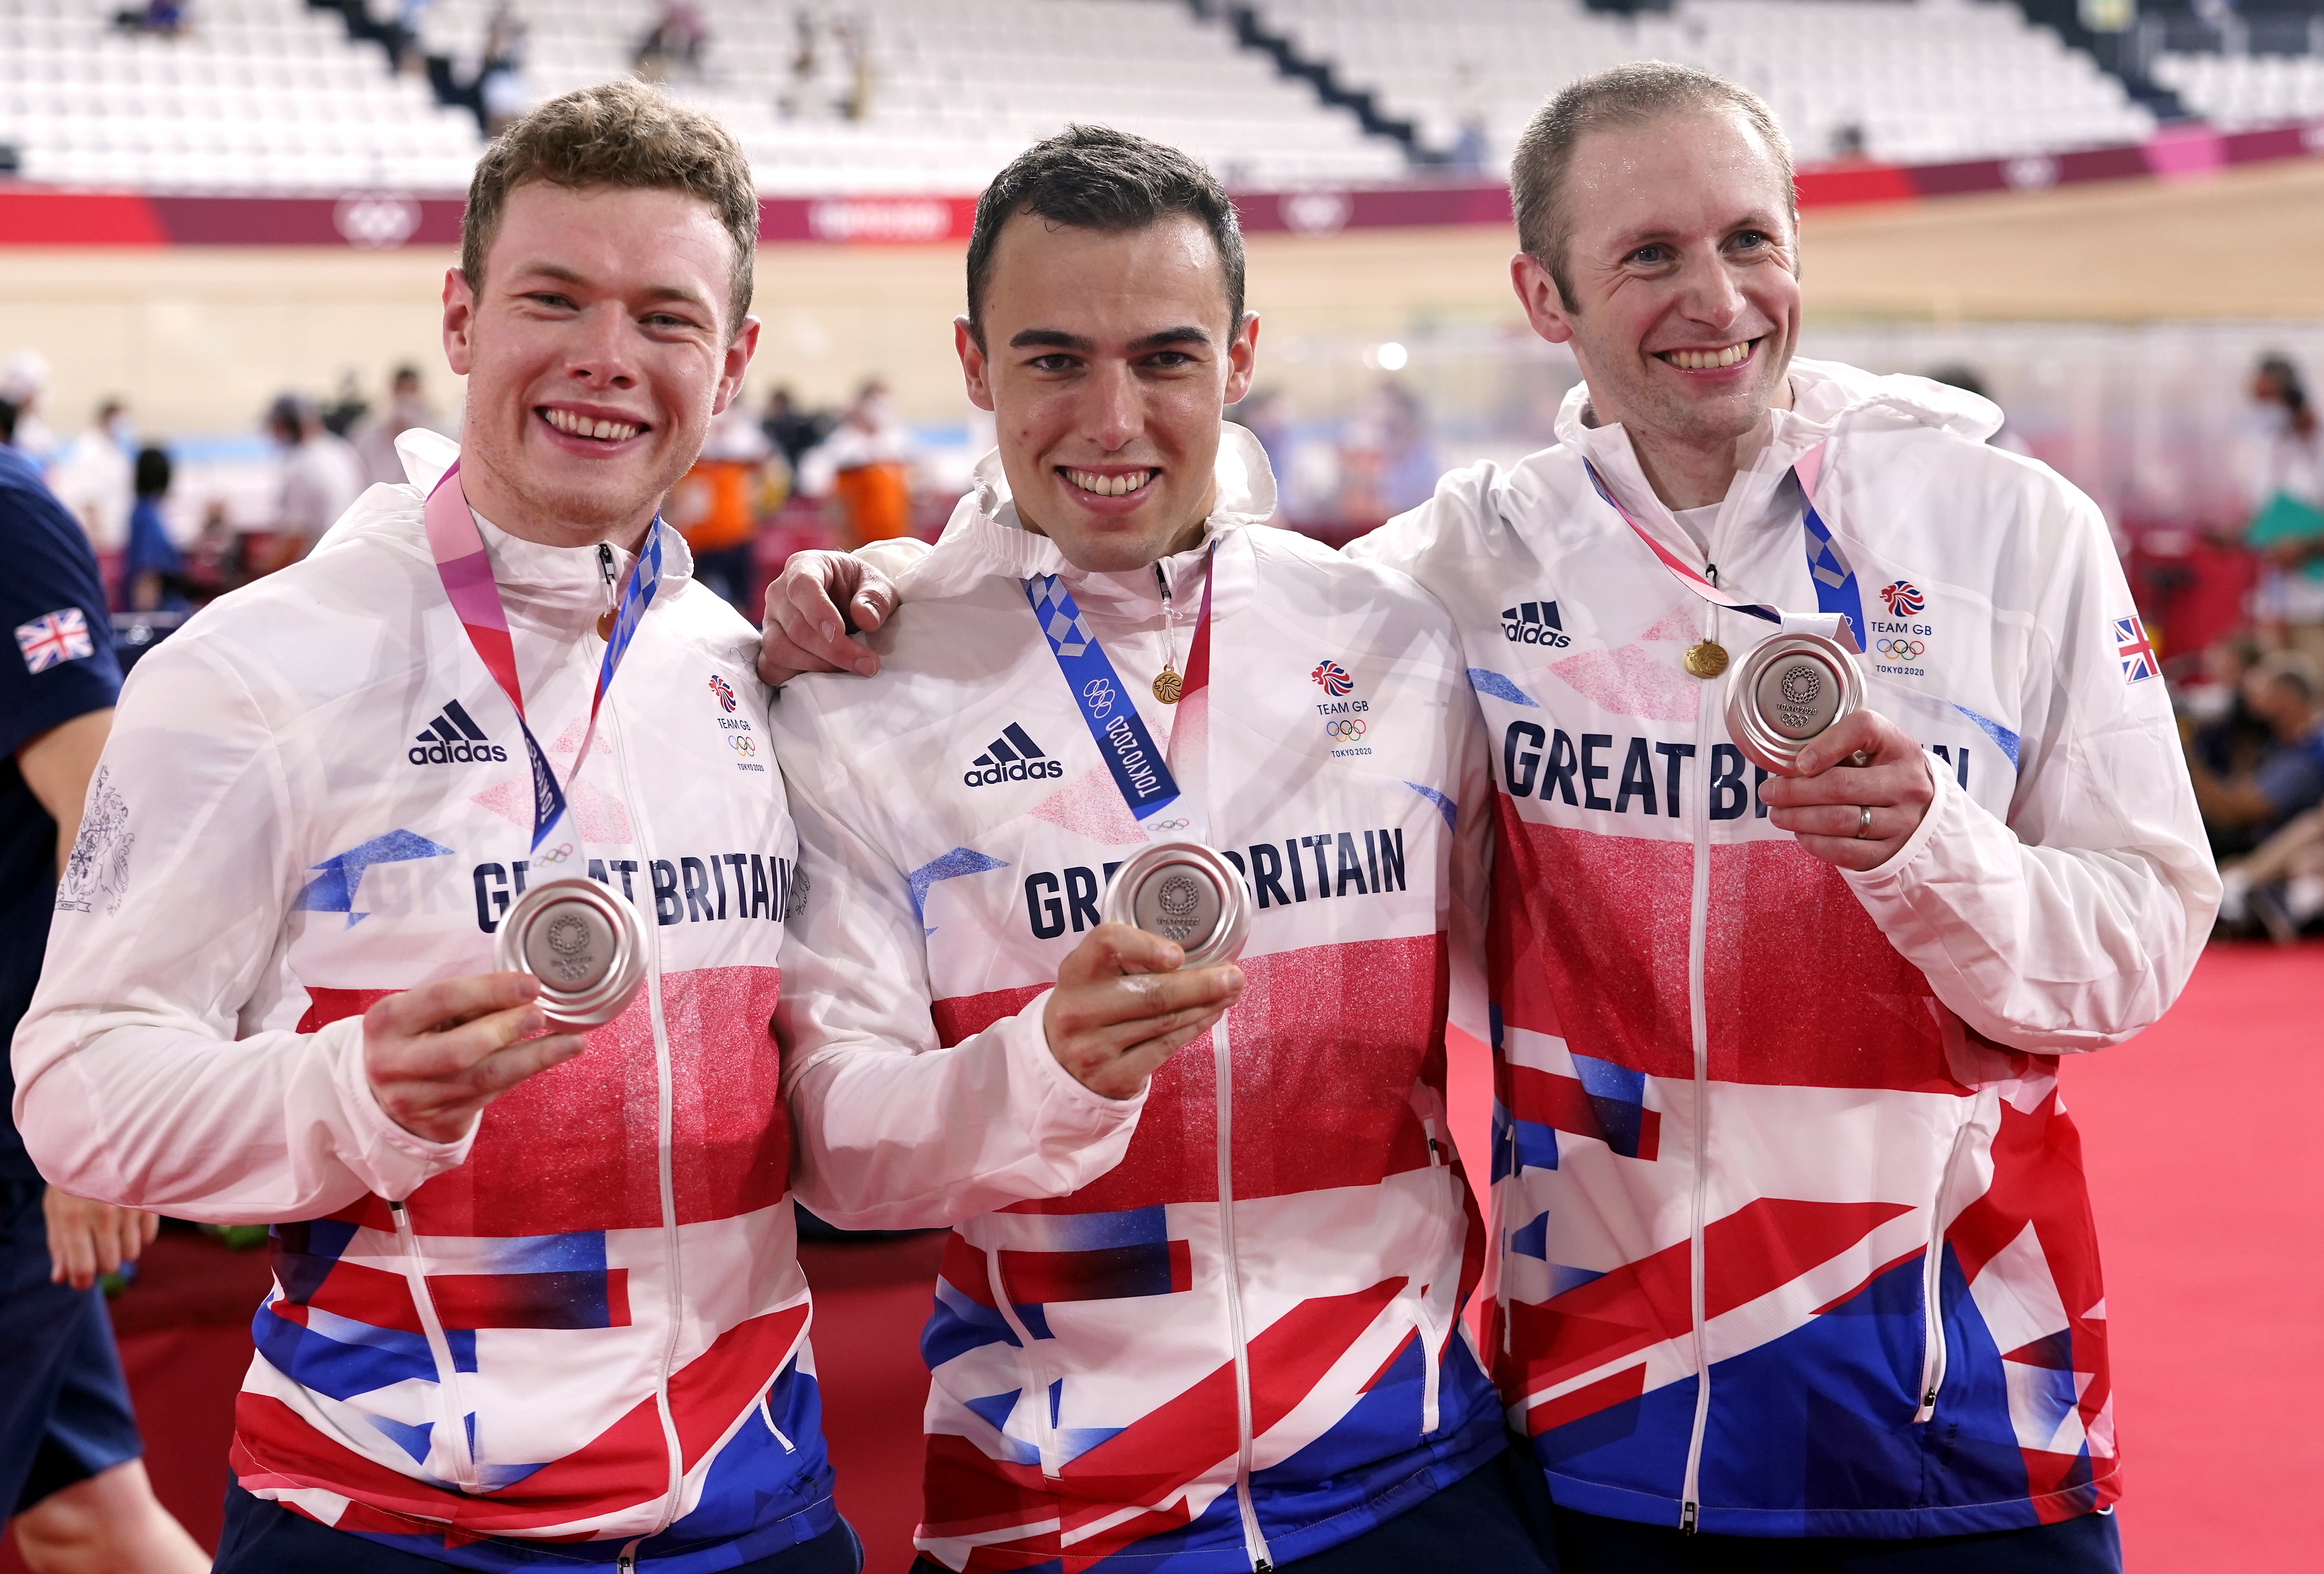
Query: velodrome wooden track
(201, 337)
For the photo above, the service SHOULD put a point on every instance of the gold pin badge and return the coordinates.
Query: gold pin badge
(1167, 687)
(1706, 659)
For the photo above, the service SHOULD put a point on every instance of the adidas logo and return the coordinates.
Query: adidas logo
(1011, 756)
(454, 737)
(1535, 622)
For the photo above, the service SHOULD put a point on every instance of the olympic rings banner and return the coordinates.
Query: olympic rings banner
(1901, 649)
(43, 216)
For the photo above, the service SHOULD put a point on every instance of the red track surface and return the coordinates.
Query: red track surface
(2199, 1137)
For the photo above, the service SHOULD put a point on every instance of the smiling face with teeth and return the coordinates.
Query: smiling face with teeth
(1112, 360)
(1684, 266)
(596, 348)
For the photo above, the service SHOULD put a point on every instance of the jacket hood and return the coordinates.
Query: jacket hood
(1827, 395)
(986, 536)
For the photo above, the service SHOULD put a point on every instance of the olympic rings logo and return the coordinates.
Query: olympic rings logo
(741, 743)
(555, 855)
(1171, 824)
(1099, 694)
(1902, 650)
(1347, 729)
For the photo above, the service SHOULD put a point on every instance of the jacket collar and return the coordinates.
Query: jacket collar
(984, 537)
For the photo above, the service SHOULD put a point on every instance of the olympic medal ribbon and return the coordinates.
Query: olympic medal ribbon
(1839, 604)
(462, 564)
(1143, 772)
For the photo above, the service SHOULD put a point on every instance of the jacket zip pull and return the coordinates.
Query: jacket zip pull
(1710, 571)
(1686, 1517)
(605, 563)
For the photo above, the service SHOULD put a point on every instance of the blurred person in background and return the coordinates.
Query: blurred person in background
(865, 464)
(407, 408)
(717, 505)
(152, 572)
(2285, 481)
(91, 476)
(501, 85)
(2284, 691)
(2279, 887)
(321, 478)
(791, 430)
(71, 1475)
(219, 560)
(2221, 731)
(675, 39)
(22, 380)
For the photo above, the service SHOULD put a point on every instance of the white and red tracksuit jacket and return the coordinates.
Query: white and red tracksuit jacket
(1216, 1326)
(581, 1331)
(1793, 1233)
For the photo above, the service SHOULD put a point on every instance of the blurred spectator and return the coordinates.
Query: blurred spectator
(2284, 691)
(499, 81)
(2286, 486)
(219, 560)
(152, 573)
(792, 431)
(866, 465)
(717, 505)
(22, 380)
(1848, 150)
(71, 1479)
(2223, 732)
(1389, 465)
(346, 408)
(806, 66)
(853, 36)
(676, 38)
(162, 18)
(1470, 150)
(407, 408)
(321, 476)
(2280, 887)
(92, 474)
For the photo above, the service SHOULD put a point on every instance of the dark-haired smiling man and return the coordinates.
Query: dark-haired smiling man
(1237, 1343)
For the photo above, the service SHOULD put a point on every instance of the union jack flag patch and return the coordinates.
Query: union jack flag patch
(2139, 661)
(53, 638)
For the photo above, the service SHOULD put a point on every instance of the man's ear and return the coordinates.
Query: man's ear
(1544, 302)
(460, 319)
(739, 351)
(1242, 359)
(975, 371)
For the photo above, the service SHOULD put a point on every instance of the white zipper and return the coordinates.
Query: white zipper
(1933, 1336)
(1424, 1324)
(664, 1102)
(1045, 1433)
(447, 1375)
(1699, 1027)
(1254, 1540)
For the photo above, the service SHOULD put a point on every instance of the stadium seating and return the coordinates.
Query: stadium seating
(2234, 91)
(1920, 82)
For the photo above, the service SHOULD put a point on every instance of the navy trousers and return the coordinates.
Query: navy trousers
(1588, 1544)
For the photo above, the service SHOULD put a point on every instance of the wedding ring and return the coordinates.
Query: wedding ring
(1863, 821)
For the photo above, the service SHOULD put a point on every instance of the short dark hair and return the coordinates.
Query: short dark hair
(1093, 177)
(152, 471)
(623, 134)
(1624, 95)
(7, 421)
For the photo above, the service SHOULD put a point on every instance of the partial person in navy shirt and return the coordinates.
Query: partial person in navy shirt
(71, 1478)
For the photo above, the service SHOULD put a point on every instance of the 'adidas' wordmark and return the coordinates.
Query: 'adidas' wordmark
(1011, 756)
(1534, 623)
(454, 737)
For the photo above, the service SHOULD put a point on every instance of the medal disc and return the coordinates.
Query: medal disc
(1168, 686)
(583, 944)
(1706, 659)
(1188, 894)
(1786, 694)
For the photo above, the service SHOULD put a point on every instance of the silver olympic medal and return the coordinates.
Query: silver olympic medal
(1786, 694)
(1188, 894)
(584, 944)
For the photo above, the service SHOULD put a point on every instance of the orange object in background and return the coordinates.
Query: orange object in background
(715, 505)
(876, 500)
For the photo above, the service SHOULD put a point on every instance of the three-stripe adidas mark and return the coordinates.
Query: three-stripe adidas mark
(1011, 756)
(453, 738)
(1535, 622)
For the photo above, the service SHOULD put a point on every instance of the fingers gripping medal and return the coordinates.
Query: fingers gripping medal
(1786, 694)
(584, 944)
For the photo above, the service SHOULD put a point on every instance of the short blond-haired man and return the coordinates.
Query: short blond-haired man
(537, 1301)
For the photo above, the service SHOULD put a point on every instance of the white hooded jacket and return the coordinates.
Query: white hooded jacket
(1794, 1237)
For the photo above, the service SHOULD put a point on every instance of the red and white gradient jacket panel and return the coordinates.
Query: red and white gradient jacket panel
(957, 827)
(316, 796)
(1835, 1092)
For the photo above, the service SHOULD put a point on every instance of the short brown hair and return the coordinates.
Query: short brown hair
(622, 134)
(1625, 95)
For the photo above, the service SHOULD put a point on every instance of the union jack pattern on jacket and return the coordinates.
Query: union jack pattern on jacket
(582, 1331)
(1217, 1327)
(1792, 1228)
